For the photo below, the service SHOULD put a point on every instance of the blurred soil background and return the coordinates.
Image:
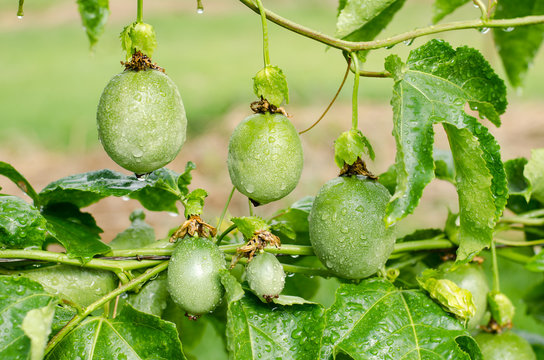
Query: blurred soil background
(51, 82)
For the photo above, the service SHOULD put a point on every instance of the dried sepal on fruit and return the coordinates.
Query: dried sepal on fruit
(194, 226)
(260, 239)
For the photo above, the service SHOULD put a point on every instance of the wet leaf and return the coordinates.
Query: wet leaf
(351, 145)
(21, 224)
(292, 223)
(137, 235)
(433, 87)
(22, 183)
(152, 297)
(194, 202)
(536, 263)
(270, 83)
(132, 334)
(518, 46)
(444, 167)
(18, 297)
(158, 192)
(248, 225)
(374, 320)
(518, 184)
(94, 15)
(75, 230)
(535, 305)
(534, 172)
(442, 8)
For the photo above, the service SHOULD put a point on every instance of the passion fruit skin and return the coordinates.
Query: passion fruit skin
(472, 278)
(347, 228)
(141, 120)
(504, 346)
(194, 281)
(265, 275)
(265, 157)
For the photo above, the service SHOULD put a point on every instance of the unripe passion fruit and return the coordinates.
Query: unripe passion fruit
(472, 278)
(193, 275)
(265, 157)
(141, 120)
(505, 346)
(347, 230)
(265, 276)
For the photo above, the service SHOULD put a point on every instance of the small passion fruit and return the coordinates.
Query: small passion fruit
(505, 346)
(265, 276)
(194, 281)
(347, 228)
(141, 120)
(265, 157)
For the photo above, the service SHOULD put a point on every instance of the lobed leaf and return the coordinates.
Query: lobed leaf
(127, 336)
(518, 46)
(75, 230)
(158, 192)
(374, 320)
(270, 83)
(18, 297)
(21, 224)
(94, 15)
(433, 87)
(22, 183)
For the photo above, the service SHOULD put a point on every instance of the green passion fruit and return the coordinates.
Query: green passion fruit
(265, 157)
(472, 278)
(194, 275)
(504, 346)
(265, 276)
(347, 230)
(141, 120)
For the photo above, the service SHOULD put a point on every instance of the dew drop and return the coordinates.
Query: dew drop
(509, 29)
(125, 198)
(408, 42)
(137, 153)
(484, 30)
(173, 214)
(20, 17)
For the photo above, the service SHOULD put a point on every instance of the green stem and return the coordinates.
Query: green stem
(295, 268)
(514, 256)
(220, 222)
(520, 243)
(375, 74)
(483, 8)
(143, 252)
(250, 207)
(140, 13)
(433, 244)
(20, 11)
(266, 54)
(225, 233)
(97, 304)
(533, 213)
(284, 249)
(351, 46)
(522, 220)
(355, 96)
(111, 265)
(495, 264)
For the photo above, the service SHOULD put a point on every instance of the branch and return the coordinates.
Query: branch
(351, 46)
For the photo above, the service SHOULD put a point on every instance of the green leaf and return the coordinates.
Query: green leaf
(184, 180)
(535, 305)
(131, 335)
(518, 184)
(79, 285)
(158, 192)
(63, 314)
(249, 225)
(444, 167)
(138, 37)
(233, 289)
(389, 179)
(351, 145)
(21, 224)
(477, 207)
(19, 296)
(501, 308)
(256, 331)
(534, 172)
(288, 300)
(194, 202)
(75, 230)
(518, 46)
(360, 20)
(152, 297)
(9, 171)
(37, 327)
(292, 223)
(137, 235)
(375, 320)
(94, 14)
(536, 263)
(441, 8)
(270, 83)
(433, 87)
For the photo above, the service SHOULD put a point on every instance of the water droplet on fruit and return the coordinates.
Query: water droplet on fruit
(250, 188)
(271, 139)
(137, 153)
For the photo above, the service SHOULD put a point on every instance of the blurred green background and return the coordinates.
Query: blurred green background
(51, 81)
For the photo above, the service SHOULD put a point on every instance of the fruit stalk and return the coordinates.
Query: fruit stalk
(140, 11)
(354, 99)
(266, 54)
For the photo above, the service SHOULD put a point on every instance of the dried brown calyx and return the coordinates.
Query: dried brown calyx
(357, 168)
(259, 241)
(263, 106)
(194, 226)
(192, 317)
(140, 62)
(494, 327)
